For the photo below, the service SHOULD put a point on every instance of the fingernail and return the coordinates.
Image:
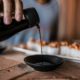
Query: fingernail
(18, 18)
(7, 21)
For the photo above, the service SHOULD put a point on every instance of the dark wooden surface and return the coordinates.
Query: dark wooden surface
(10, 69)
(14, 70)
(68, 70)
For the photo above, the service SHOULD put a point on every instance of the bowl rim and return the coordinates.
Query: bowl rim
(29, 63)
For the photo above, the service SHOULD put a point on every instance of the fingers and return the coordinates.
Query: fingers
(10, 7)
(18, 10)
(7, 11)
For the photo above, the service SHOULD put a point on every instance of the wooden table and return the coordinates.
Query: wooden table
(12, 67)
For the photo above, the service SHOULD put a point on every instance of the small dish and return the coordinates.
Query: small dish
(43, 63)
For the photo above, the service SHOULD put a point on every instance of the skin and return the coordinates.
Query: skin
(10, 7)
(43, 1)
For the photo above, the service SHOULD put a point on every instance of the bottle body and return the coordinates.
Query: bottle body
(31, 19)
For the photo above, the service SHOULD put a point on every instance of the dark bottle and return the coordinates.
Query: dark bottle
(31, 19)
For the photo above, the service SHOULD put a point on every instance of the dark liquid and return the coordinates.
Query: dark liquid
(44, 63)
(40, 40)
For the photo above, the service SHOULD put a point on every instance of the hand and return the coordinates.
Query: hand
(10, 7)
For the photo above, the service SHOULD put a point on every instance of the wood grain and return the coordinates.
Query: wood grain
(68, 70)
(5, 63)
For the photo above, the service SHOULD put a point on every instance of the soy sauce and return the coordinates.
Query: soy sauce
(40, 39)
(43, 63)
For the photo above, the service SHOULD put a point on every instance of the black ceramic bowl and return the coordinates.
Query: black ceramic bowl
(43, 62)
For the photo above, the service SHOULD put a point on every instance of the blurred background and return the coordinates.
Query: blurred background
(69, 27)
(59, 20)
